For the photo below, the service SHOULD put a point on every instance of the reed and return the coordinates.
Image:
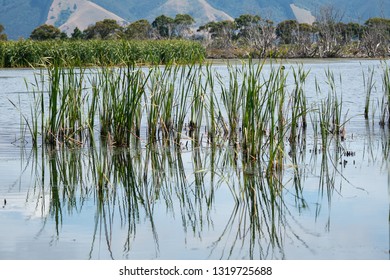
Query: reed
(153, 101)
(118, 93)
(330, 112)
(66, 100)
(27, 53)
(212, 108)
(185, 85)
(197, 109)
(254, 110)
(369, 85)
(383, 111)
(386, 88)
(232, 98)
(299, 108)
(261, 110)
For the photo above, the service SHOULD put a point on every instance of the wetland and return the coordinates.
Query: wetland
(246, 160)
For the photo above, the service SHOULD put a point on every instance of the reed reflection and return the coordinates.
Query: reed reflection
(258, 155)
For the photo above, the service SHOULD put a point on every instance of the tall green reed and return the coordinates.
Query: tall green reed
(299, 108)
(386, 93)
(330, 112)
(369, 85)
(71, 53)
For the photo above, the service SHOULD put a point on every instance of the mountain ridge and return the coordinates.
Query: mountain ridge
(20, 17)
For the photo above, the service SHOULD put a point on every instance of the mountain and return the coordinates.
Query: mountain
(69, 14)
(20, 17)
(201, 10)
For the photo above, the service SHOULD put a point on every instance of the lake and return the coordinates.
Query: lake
(203, 201)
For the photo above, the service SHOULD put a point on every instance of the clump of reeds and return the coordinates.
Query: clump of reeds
(252, 109)
(57, 107)
(65, 121)
(121, 91)
(232, 100)
(330, 112)
(299, 108)
(27, 53)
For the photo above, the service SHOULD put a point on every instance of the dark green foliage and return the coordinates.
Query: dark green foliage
(45, 32)
(139, 30)
(3, 36)
(286, 31)
(105, 29)
(77, 34)
(164, 26)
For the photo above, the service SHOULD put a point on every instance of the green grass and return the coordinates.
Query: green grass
(28, 53)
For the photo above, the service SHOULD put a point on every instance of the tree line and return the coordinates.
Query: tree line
(247, 35)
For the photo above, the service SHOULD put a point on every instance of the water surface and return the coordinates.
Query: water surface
(199, 203)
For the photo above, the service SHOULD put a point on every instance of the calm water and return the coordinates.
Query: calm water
(201, 203)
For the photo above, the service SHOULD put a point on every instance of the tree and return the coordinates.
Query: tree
(298, 35)
(182, 24)
(222, 32)
(46, 32)
(257, 33)
(105, 29)
(3, 36)
(351, 31)
(304, 40)
(77, 34)
(247, 25)
(329, 33)
(376, 36)
(164, 26)
(139, 30)
(287, 31)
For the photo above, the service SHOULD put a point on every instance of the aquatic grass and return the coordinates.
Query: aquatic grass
(330, 111)
(153, 101)
(299, 108)
(186, 82)
(65, 119)
(386, 89)
(369, 85)
(254, 110)
(232, 98)
(197, 101)
(127, 116)
(71, 53)
(212, 109)
(167, 96)
(261, 110)
(120, 91)
(383, 111)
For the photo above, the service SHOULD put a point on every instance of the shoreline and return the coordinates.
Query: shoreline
(224, 61)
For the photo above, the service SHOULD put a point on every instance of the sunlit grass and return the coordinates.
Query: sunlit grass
(27, 53)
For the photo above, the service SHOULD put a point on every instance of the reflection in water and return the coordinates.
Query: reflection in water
(130, 186)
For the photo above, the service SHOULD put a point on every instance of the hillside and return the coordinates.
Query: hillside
(69, 14)
(132, 10)
(20, 17)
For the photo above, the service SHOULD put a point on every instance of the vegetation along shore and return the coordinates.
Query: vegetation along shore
(176, 40)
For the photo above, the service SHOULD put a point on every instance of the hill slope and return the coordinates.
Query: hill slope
(69, 14)
(20, 17)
